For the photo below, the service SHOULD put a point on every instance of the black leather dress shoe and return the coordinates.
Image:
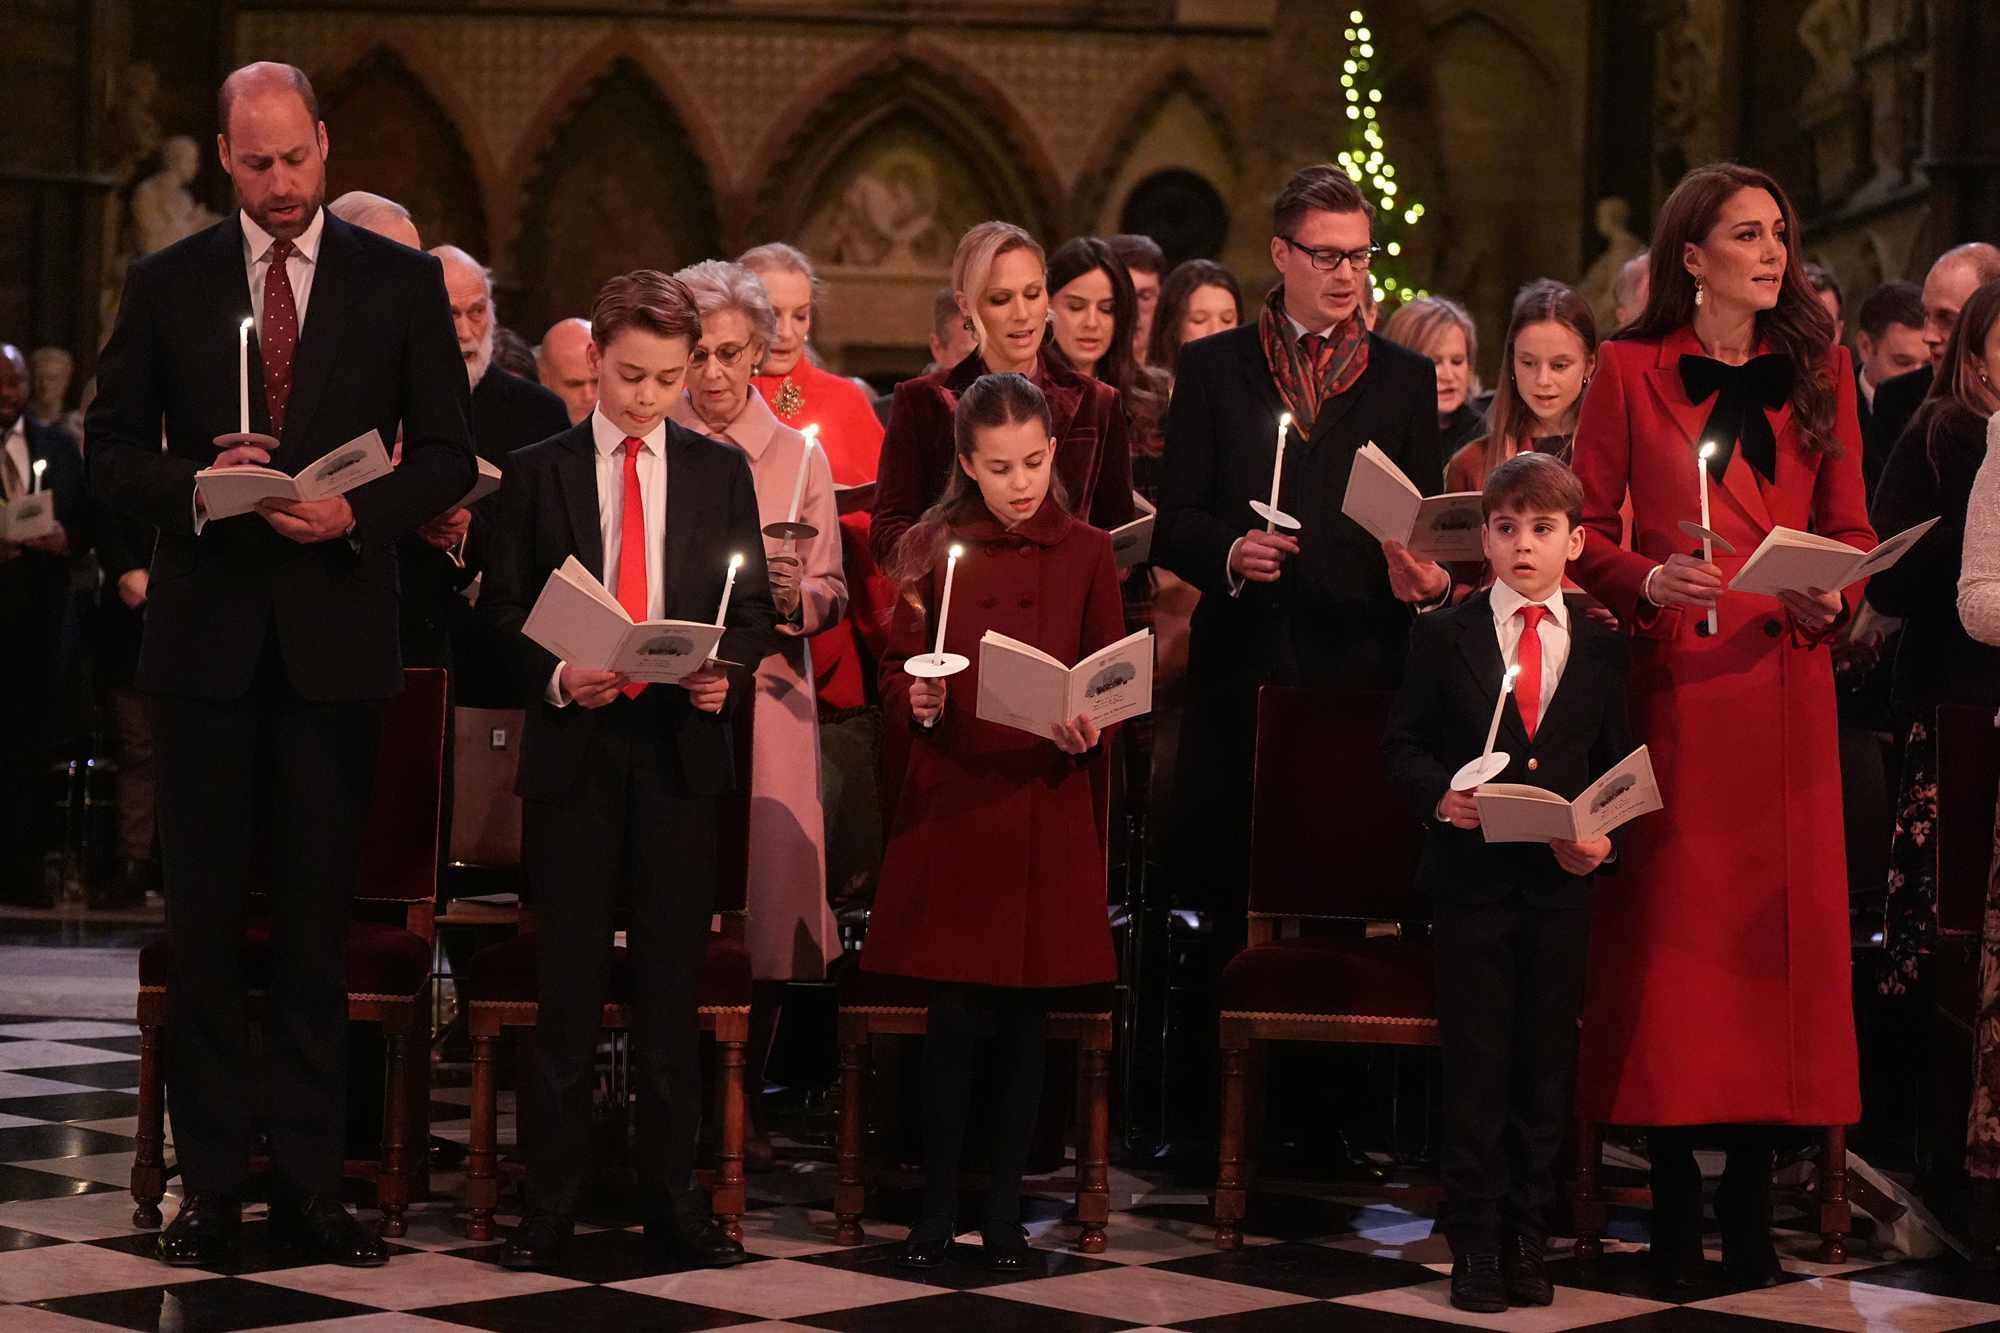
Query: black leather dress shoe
(538, 1242)
(695, 1242)
(204, 1233)
(321, 1227)
(1006, 1250)
(1476, 1284)
(928, 1243)
(1526, 1271)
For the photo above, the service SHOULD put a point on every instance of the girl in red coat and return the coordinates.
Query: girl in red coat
(993, 885)
(1718, 992)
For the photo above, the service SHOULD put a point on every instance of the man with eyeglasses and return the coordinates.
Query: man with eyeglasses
(1326, 605)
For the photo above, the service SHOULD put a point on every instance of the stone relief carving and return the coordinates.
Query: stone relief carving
(886, 218)
(1688, 85)
(164, 209)
(1599, 282)
(1830, 31)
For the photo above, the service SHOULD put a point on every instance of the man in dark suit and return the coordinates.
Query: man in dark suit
(1511, 919)
(1888, 341)
(1330, 605)
(1957, 273)
(34, 621)
(623, 785)
(271, 637)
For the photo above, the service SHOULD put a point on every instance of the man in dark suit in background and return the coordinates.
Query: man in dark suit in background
(1957, 273)
(622, 784)
(1888, 341)
(271, 637)
(35, 622)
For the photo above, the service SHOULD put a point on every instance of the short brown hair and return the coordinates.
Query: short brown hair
(645, 299)
(1533, 483)
(1322, 186)
(1138, 252)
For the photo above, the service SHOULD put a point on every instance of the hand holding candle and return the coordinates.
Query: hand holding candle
(936, 664)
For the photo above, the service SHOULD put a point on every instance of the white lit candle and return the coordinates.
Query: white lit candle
(243, 378)
(1706, 452)
(944, 608)
(805, 463)
(1278, 468)
(41, 466)
(728, 585)
(1499, 707)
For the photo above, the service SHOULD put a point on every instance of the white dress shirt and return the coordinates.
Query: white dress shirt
(299, 265)
(15, 447)
(1553, 632)
(610, 456)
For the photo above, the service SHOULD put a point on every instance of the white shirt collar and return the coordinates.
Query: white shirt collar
(611, 440)
(1299, 330)
(306, 243)
(1506, 602)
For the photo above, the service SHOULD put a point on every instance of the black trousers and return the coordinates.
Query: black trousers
(1510, 980)
(628, 837)
(293, 776)
(970, 1028)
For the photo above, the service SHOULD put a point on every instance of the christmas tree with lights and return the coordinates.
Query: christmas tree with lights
(1365, 159)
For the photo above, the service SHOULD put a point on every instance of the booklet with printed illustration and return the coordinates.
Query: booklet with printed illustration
(1512, 812)
(1132, 543)
(26, 517)
(1387, 503)
(581, 623)
(1790, 559)
(1022, 686)
(228, 491)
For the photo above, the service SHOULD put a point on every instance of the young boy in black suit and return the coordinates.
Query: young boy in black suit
(622, 784)
(1511, 919)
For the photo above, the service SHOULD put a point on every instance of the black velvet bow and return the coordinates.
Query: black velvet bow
(1762, 382)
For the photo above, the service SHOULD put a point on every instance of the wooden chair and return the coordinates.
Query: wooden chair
(388, 962)
(1338, 854)
(871, 1004)
(485, 856)
(500, 991)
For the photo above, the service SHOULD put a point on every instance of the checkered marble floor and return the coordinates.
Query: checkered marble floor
(71, 1260)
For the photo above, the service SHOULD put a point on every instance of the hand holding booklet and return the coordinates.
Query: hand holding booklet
(1511, 812)
(583, 625)
(26, 517)
(1792, 561)
(228, 491)
(1387, 503)
(1023, 687)
(1132, 543)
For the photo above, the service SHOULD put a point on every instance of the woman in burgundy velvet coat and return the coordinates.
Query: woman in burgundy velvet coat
(1718, 999)
(993, 885)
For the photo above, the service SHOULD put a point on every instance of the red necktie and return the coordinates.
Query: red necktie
(278, 340)
(1528, 688)
(1312, 344)
(632, 547)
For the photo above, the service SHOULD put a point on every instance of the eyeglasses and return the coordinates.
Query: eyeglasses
(728, 354)
(1328, 261)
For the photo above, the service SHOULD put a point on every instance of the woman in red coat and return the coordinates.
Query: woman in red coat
(1000, 276)
(993, 885)
(1718, 990)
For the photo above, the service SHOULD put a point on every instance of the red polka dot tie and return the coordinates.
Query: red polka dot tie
(278, 339)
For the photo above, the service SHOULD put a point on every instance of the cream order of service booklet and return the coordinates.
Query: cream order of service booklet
(1387, 503)
(26, 517)
(1510, 812)
(1022, 686)
(228, 491)
(1132, 543)
(581, 623)
(1790, 559)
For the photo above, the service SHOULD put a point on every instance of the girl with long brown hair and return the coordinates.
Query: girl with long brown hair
(1550, 353)
(1718, 993)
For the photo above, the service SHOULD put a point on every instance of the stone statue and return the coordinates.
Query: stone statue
(1830, 31)
(164, 210)
(887, 218)
(50, 370)
(1599, 284)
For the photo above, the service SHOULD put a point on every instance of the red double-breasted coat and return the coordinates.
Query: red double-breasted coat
(995, 869)
(1718, 979)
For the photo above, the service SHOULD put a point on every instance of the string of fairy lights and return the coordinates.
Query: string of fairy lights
(1365, 158)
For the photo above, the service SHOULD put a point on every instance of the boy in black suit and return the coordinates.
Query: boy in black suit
(1511, 919)
(622, 784)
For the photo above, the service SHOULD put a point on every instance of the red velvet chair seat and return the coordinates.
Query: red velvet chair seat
(862, 989)
(1373, 978)
(382, 959)
(506, 974)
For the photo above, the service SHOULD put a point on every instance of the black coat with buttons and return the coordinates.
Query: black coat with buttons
(1442, 713)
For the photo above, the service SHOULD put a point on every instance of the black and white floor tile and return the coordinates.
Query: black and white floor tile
(71, 1260)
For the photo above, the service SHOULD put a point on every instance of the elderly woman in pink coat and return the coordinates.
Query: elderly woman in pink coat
(792, 934)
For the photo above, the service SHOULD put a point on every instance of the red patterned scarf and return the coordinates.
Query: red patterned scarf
(1306, 385)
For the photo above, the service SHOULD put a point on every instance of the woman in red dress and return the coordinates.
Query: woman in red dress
(1718, 991)
(993, 885)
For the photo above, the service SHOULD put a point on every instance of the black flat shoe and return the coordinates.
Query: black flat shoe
(320, 1227)
(1476, 1283)
(695, 1242)
(1006, 1250)
(1525, 1270)
(926, 1247)
(537, 1244)
(204, 1234)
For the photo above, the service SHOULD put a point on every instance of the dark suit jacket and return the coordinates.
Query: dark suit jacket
(1331, 619)
(1440, 721)
(122, 546)
(510, 413)
(548, 512)
(35, 619)
(377, 349)
(1896, 401)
